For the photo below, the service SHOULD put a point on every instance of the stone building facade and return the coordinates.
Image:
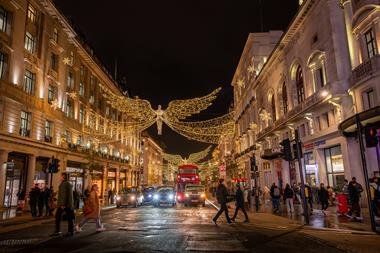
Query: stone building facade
(51, 105)
(152, 162)
(319, 73)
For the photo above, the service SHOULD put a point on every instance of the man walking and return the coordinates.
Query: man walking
(65, 204)
(34, 195)
(239, 203)
(323, 196)
(221, 195)
(275, 193)
(354, 191)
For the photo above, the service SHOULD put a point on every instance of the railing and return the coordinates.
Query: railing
(365, 69)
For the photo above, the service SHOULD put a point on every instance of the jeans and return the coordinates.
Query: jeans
(97, 222)
(289, 205)
(223, 208)
(33, 208)
(243, 210)
(70, 219)
(325, 204)
(276, 204)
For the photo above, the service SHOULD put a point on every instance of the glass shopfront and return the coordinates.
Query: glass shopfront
(42, 172)
(76, 178)
(111, 180)
(334, 166)
(311, 169)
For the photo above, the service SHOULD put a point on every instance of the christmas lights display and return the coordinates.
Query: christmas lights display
(194, 158)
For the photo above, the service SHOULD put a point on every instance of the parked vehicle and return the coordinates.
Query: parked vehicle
(164, 195)
(129, 197)
(148, 193)
(195, 194)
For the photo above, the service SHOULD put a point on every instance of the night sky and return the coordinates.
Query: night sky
(175, 49)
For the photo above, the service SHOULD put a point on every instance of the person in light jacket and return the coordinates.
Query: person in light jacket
(94, 207)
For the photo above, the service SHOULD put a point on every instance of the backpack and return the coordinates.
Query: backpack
(276, 192)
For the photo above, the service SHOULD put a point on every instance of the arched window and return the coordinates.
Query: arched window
(284, 94)
(273, 108)
(299, 85)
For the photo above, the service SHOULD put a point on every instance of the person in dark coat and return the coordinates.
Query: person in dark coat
(65, 204)
(34, 195)
(288, 197)
(41, 201)
(221, 195)
(275, 193)
(239, 203)
(323, 196)
(354, 192)
(47, 200)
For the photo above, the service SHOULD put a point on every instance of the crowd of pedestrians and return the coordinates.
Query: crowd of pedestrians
(41, 200)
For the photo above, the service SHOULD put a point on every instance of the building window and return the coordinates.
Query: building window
(30, 43)
(334, 166)
(319, 123)
(69, 108)
(71, 57)
(311, 169)
(273, 105)
(55, 35)
(51, 93)
(325, 117)
(54, 62)
(3, 65)
(320, 78)
(81, 72)
(32, 14)
(25, 124)
(81, 114)
(370, 43)
(81, 89)
(368, 99)
(68, 136)
(29, 82)
(284, 98)
(48, 131)
(70, 81)
(3, 19)
(299, 86)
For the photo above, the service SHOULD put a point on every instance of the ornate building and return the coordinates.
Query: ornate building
(152, 162)
(51, 105)
(318, 74)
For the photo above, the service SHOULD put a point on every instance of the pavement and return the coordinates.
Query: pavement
(185, 229)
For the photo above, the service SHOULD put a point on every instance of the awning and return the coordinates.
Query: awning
(369, 117)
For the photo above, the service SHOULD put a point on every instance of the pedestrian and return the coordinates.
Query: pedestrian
(354, 192)
(221, 195)
(375, 195)
(33, 199)
(41, 202)
(91, 210)
(21, 200)
(110, 197)
(52, 201)
(239, 195)
(76, 199)
(65, 205)
(309, 197)
(331, 192)
(323, 196)
(275, 194)
(47, 200)
(289, 196)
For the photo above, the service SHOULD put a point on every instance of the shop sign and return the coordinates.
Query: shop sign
(320, 142)
(222, 170)
(74, 170)
(308, 146)
(111, 174)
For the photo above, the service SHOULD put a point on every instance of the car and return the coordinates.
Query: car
(164, 195)
(195, 194)
(148, 194)
(131, 196)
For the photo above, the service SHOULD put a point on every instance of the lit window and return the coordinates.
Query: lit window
(55, 35)
(69, 108)
(48, 131)
(81, 89)
(370, 43)
(3, 19)
(54, 62)
(51, 93)
(284, 98)
(3, 65)
(30, 43)
(25, 123)
(81, 114)
(70, 81)
(299, 85)
(32, 14)
(29, 82)
(273, 108)
(368, 99)
(68, 136)
(320, 78)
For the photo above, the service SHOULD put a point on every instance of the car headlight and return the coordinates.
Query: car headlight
(118, 198)
(133, 197)
(155, 196)
(150, 195)
(187, 195)
(203, 195)
(171, 196)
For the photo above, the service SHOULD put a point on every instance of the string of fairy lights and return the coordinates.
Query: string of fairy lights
(194, 158)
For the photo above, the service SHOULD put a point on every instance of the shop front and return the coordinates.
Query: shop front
(76, 176)
(42, 171)
(311, 169)
(16, 174)
(111, 179)
(334, 166)
(123, 180)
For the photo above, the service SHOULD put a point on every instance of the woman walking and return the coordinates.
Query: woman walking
(91, 210)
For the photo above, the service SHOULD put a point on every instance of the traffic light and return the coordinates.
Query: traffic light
(295, 153)
(253, 163)
(54, 165)
(287, 149)
(371, 138)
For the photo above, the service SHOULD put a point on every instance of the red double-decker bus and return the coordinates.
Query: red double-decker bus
(187, 174)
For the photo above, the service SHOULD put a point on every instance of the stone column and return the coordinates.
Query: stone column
(352, 42)
(3, 172)
(117, 179)
(31, 172)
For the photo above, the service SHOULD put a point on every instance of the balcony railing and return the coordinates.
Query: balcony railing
(365, 69)
(24, 132)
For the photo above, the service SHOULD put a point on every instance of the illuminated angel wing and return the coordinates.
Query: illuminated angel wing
(195, 158)
(181, 109)
(173, 159)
